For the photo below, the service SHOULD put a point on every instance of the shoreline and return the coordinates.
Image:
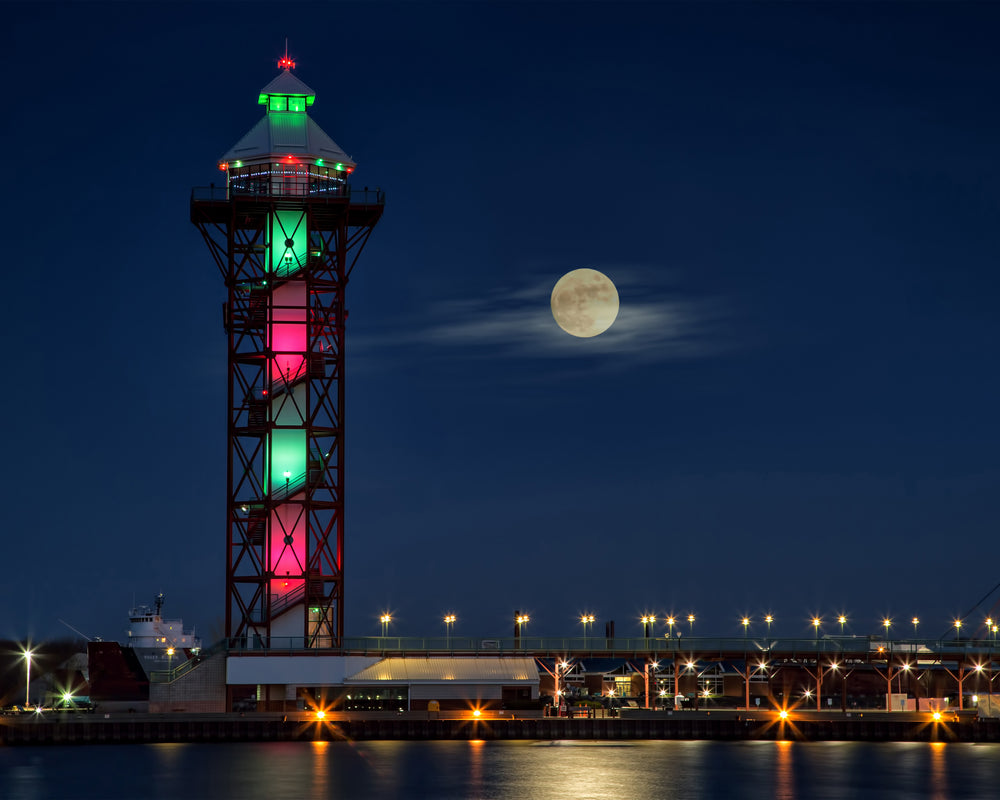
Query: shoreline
(868, 726)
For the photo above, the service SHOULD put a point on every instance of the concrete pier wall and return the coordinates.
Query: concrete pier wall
(229, 728)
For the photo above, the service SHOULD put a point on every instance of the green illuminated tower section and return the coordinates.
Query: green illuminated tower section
(286, 231)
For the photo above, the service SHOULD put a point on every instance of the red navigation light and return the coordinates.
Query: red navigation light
(286, 63)
(223, 166)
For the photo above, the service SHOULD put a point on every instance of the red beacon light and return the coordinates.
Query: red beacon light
(223, 166)
(286, 63)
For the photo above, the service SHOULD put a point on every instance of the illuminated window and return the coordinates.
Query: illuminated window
(277, 103)
(296, 104)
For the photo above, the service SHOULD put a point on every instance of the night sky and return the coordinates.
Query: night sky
(795, 412)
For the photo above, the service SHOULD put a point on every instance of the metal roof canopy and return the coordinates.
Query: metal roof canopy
(469, 671)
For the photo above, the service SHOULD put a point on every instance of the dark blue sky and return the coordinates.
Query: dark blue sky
(795, 413)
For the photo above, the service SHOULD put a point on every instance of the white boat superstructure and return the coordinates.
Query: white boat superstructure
(160, 643)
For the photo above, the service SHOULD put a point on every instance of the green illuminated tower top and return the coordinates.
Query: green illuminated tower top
(286, 153)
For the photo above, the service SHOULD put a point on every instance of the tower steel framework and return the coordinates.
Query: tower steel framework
(286, 231)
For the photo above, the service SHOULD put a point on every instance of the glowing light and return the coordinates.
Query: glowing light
(783, 714)
(886, 622)
(816, 622)
(745, 621)
(223, 166)
(67, 697)
(170, 651)
(936, 716)
(286, 63)
(477, 713)
(321, 714)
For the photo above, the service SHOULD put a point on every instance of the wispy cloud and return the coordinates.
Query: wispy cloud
(653, 324)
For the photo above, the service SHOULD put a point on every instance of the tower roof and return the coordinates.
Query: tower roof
(285, 132)
(287, 84)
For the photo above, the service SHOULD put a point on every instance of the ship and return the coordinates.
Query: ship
(160, 644)
(119, 675)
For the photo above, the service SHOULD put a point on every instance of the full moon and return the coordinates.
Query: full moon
(584, 302)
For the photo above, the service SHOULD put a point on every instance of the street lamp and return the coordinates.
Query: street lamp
(691, 622)
(745, 622)
(843, 621)
(647, 624)
(520, 620)
(28, 653)
(958, 630)
(670, 626)
(816, 623)
(586, 619)
(915, 621)
(769, 619)
(449, 620)
(385, 619)
(886, 623)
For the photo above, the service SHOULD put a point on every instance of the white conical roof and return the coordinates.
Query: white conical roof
(287, 133)
(286, 83)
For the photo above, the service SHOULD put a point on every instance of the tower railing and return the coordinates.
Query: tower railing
(366, 196)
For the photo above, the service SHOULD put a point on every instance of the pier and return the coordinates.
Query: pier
(639, 725)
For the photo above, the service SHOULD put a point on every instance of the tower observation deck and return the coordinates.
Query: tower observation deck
(285, 230)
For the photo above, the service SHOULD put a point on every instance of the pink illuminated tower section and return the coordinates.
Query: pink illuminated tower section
(285, 230)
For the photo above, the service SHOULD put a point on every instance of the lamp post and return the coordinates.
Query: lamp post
(886, 623)
(385, 619)
(647, 624)
(520, 620)
(28, 653)
(769, 619)
(691, 622)
(670, 626)
(745, 622)
(816, 623)
(842, 619)
(585, 620)
(449, 620)
(958, 630)
(915, 621)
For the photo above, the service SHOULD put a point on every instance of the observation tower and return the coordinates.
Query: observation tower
(285, 230)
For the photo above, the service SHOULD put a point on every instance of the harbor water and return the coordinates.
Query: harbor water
(480, 770)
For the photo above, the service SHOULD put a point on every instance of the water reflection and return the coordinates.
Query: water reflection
(783, 776)
(490, 770)
(939, 776)
(321, 768)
